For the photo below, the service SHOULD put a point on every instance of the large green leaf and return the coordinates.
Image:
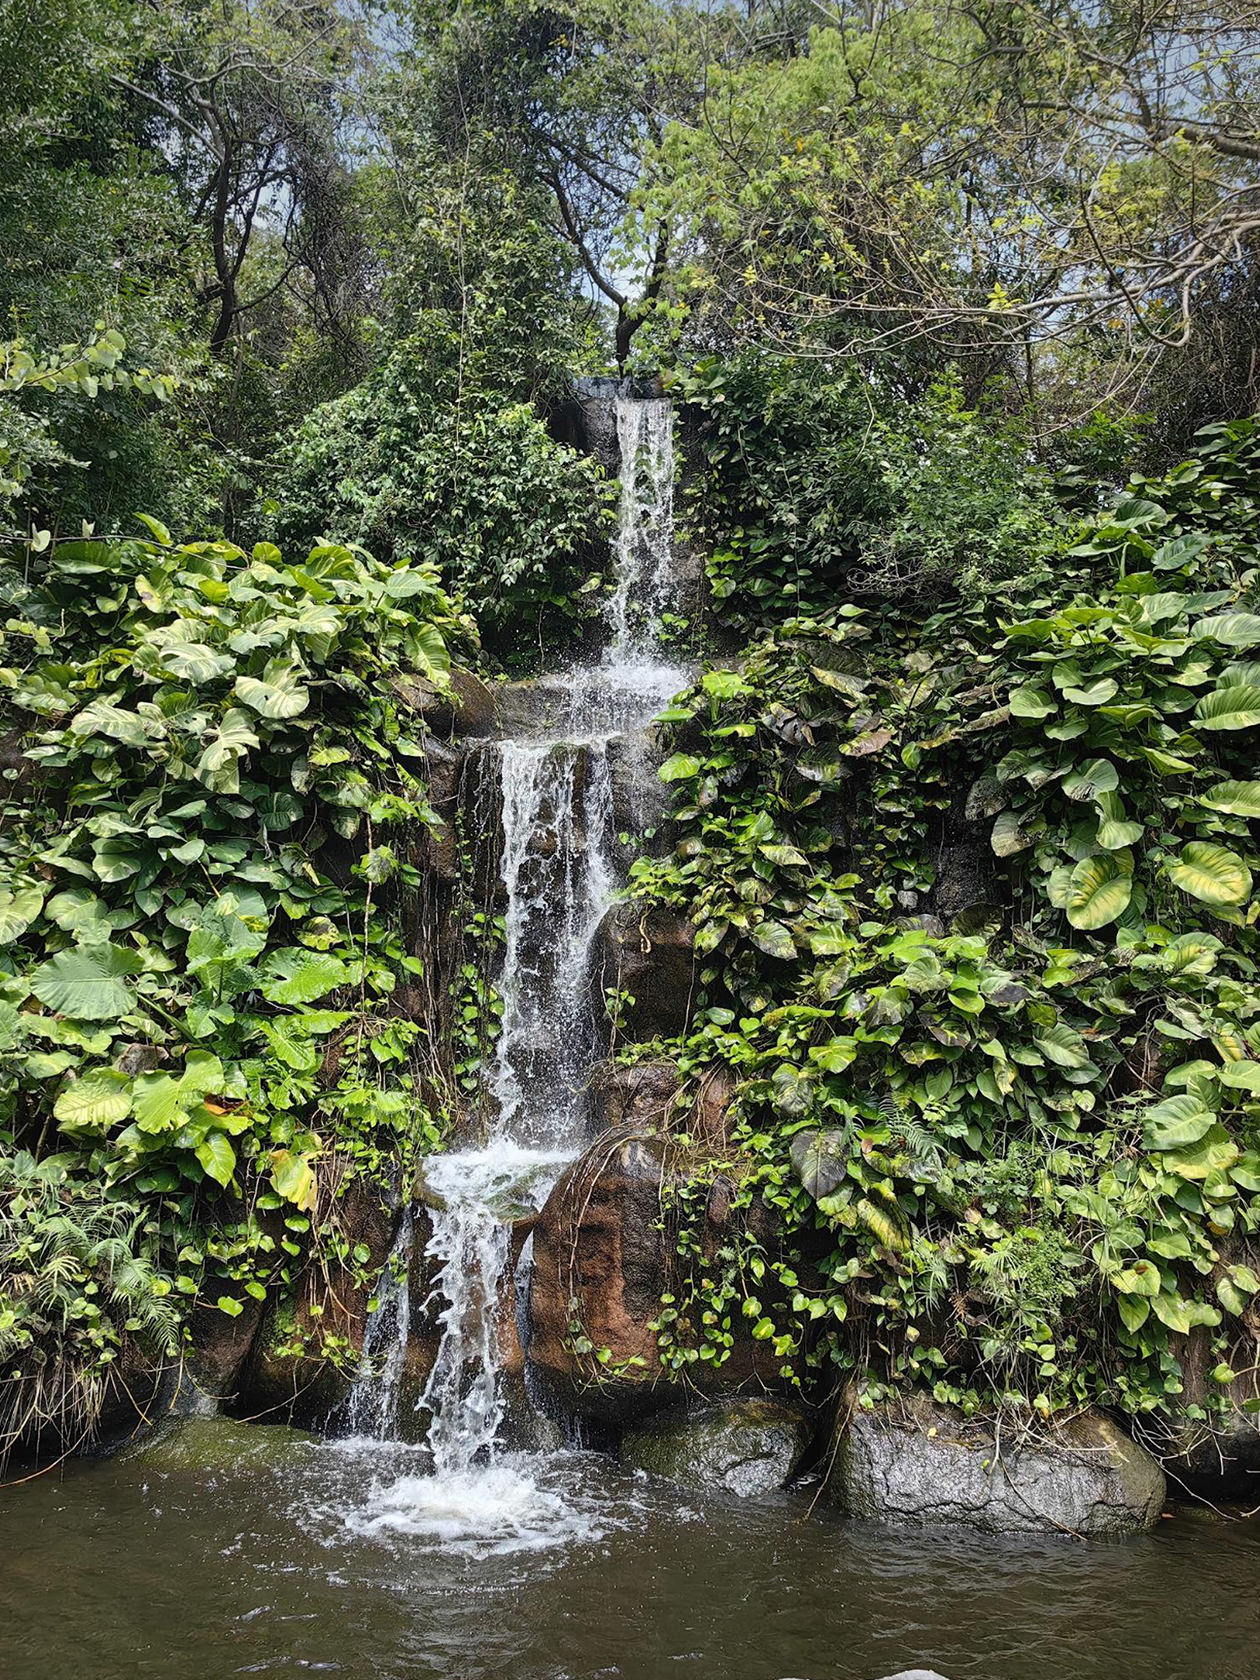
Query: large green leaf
(1240, 1076)
(1236, 799)
(1235, 629)
(1013, 832)
(194, 662)
(217, 1156)
(100, 718)
(88, 982)
(1059, 1044)
(1031, 703)
(1211, 873)
(679, 767)
(91, 1104)
(1214, 1152)
(77, 910)
(775, 940)
(158, 1103)
(1176, 1122)
(293, 1178)
(1115, 831)
(218, 767)
(1100, 890)
(1235, 707)
(428, 651)
(1097, 694)
(17, 911)
(1099, 775)
(294, 976)
(278, 693)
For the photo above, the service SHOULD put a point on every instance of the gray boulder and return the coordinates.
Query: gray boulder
(916, 1463)
(746, 1447)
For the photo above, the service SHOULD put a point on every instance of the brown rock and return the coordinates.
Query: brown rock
(647, 952)
(221, 1342)
(601, 1262)
(649, 1095)
(640, 1095)
(465, 706)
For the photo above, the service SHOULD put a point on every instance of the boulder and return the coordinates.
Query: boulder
(648, 953)
(465, 705)
(602, 1260)
(222, 1341)
(206, 1444)
(745, 1446)
(911, 1462)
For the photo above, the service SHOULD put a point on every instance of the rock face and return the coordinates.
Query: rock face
(301, 1364)
(601, 1261)
(466, 707)
(221, 1343)
(916, 1463)
(647, 952)
(641, 1095)
(1217, 1455)
(746, 1447)
(963, 855)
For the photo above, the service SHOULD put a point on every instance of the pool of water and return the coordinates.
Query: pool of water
(234, 1551)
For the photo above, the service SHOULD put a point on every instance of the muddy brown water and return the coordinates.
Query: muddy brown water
(346, 1560)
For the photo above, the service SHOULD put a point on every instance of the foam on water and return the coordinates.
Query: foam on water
(484, 1511)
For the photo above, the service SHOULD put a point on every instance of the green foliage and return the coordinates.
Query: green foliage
(404, 464)
(200, 939)
(1017, 1156)
(27, 443)
(79, 1280)
(814, 488)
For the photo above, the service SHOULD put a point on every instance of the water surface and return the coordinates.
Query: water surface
(349, 1560)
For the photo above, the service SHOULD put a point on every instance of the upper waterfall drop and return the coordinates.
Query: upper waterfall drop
(645, 581)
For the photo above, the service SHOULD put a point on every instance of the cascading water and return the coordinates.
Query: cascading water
(560, 873)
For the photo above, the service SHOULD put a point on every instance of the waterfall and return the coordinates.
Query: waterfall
(560, 874)
(645, 581)
(374, 1401)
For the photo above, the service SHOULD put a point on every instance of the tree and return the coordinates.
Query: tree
(576, 96)
(250, 103)
(987, 181)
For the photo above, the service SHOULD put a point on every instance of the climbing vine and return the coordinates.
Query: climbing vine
(973, 902)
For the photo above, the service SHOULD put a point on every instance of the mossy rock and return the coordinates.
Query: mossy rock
(914, 1463)
(743, 1446)
(198, 1444)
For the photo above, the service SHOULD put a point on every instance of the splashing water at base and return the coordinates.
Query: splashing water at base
(518, 1503)
(476, 1197)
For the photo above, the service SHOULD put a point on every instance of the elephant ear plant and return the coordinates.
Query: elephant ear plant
(1014, 1145)
(212, 780)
